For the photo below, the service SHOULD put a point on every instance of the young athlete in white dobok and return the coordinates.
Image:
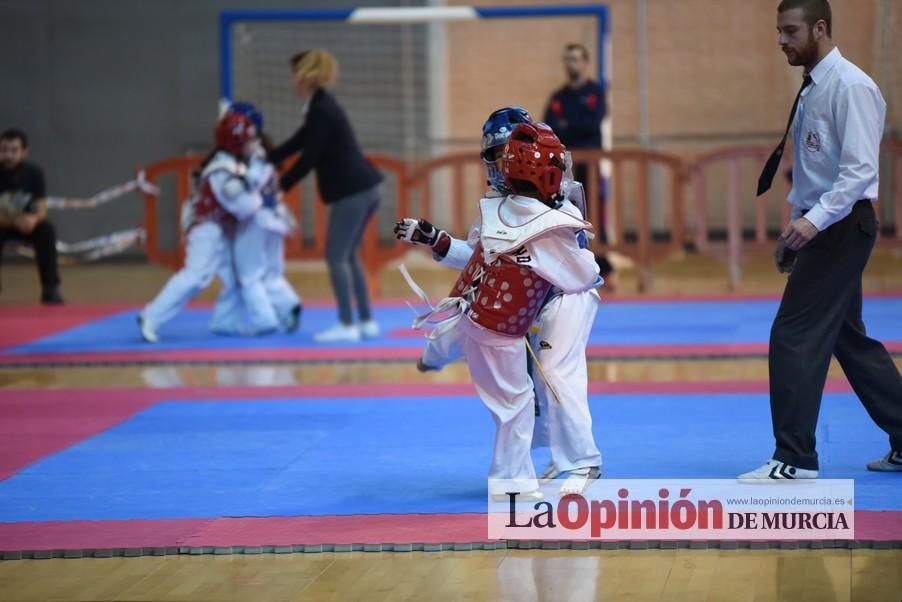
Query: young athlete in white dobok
(259, 257)
(229, 195)
(522, 247)
(559, 336)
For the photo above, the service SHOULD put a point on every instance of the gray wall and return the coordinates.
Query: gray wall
(103, 86)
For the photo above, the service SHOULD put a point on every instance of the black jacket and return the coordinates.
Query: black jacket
(576, 115)
(21, 188)
(327, 145)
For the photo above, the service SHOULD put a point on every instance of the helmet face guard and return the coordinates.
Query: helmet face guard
(567, 180)
(495, 132)
(494, 177)
(534, 163)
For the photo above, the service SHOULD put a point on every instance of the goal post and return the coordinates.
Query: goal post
(416, 82)
(409, 15)
(237, 39)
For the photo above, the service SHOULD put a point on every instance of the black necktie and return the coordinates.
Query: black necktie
(773, 162)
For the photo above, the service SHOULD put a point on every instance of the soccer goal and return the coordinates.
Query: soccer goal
(416, 82)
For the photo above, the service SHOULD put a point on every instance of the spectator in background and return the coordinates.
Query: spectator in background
(23, 211)
(347, 183)
(576, 110)
(575, 113)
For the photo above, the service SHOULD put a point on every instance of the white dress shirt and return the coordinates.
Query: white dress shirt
(836, 142)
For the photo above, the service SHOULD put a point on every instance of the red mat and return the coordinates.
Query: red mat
(81, 535)
(20, 325)
(39, 423)
(383, 531)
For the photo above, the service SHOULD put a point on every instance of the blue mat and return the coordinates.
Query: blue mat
(621, 323)
(410, 455)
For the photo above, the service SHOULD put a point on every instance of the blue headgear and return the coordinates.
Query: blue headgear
(270, 192)
(495, 132)
(252, 112)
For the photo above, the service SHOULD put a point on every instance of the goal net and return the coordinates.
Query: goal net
(416, 82)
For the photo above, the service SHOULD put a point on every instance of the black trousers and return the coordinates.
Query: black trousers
(820, 316)
(43, 241)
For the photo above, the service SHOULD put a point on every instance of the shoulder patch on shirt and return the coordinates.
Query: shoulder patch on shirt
(813, 141)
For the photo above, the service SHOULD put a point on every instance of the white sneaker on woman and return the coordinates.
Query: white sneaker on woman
(369, 329)
(338, 334)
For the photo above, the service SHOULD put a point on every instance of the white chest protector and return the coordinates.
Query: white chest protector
(510, 222)
(223, 161)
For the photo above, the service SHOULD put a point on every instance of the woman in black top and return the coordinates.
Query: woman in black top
(347, 183)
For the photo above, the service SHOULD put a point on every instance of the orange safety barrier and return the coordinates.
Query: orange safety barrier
(418, 180)
(626, 198)
(733, 156)
(182, 168)
(894, 149)
(617, 227)
(374, 253)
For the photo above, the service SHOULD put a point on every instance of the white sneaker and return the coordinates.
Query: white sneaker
(579, 479)
(148, 332)
(891, 462)
(774, 470)
(522, 496)
(369, 329)
(338, 333)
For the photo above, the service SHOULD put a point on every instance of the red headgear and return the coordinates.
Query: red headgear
(533, 162)
(233, 131)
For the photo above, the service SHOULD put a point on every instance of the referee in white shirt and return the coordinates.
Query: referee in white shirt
(837, 126)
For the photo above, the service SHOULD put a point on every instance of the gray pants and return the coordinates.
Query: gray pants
(348, 218)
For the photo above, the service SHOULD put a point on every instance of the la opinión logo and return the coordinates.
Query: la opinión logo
(673, 512)
(574, 512)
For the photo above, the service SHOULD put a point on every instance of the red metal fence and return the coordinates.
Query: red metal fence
(630, 209)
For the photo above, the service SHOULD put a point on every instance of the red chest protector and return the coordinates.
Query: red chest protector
(203, 206)
(504, 297)
(208, 209)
